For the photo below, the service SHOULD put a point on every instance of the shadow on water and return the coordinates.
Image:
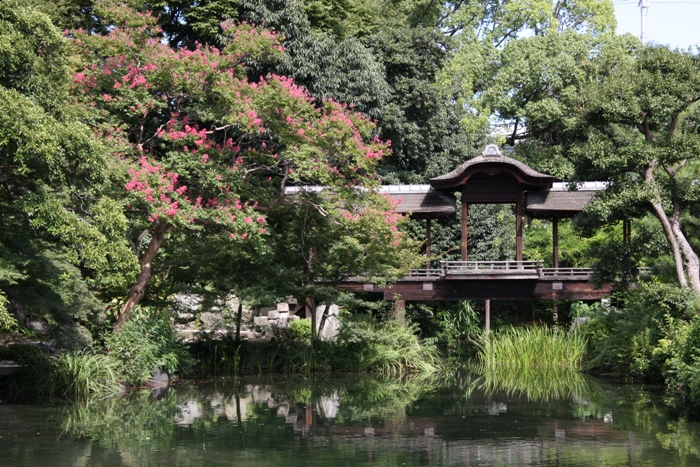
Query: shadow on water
(463, 417)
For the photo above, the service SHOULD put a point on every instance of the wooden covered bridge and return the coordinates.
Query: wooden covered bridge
(492, 179)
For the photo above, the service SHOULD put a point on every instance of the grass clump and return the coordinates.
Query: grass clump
(218, 355)
(71, 376)
(535, 346)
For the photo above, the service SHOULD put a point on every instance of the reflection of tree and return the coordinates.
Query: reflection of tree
(135, 425)
(346, 421)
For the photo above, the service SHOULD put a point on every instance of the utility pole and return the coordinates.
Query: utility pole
(644, 9)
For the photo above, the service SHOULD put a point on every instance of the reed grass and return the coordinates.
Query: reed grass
(72, 376)
(80, 375)
(535, 346)
(218, 356)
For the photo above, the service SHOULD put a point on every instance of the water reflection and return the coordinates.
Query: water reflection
(463, 419)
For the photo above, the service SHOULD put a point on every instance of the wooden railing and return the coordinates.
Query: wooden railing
(461, 267)
(504, 267)
(432, 272)
(583, 273)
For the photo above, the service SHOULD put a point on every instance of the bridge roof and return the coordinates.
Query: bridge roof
(491, 163)
(418, 201)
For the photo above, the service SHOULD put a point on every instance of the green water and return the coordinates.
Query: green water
(358, 421)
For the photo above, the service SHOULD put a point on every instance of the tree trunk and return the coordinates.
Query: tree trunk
(324, 317)
(672, 242)
(139, 289)
(690, 258)
(239, 316)
(312, 309)
(660, 212)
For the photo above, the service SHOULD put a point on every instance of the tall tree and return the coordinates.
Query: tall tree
(211, 152)
(62, 234)
(610, 109)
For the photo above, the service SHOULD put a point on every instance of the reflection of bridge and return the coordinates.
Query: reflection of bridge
(493, 179)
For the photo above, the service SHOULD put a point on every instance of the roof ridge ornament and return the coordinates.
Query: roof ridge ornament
(492, 150)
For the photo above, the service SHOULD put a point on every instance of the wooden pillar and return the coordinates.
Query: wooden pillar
(427, 242)
(487, 307)
(519, 228)
(465, 228)
(555, 242)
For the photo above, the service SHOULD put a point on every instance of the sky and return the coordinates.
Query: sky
(672, 22)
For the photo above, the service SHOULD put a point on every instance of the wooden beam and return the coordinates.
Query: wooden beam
(465, 228)
(519, 228)
(487, 306)
(427, 242)
(555, 242)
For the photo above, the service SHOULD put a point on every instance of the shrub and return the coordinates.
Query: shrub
(624, 339)
(7, 321)
(145, 344)
(362, 345)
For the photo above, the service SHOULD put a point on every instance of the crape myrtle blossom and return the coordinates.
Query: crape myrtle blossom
(205, 146)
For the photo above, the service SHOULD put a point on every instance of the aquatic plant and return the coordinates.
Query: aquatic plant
(73, 376)
(220, 356)
(531, 346)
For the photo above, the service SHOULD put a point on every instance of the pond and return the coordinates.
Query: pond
(454, 420)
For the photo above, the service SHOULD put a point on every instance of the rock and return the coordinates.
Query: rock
(274, 314)
(284, 315)
(211, 320)
(283, 307)
(183, 318)
(18, 309)
(187, 302)
(260, 320)
(37, 324)
(263, 310)
(160, 377)
(579, 322)
(293, 318)
(330, 328)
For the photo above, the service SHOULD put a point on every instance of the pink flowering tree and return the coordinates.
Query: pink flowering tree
(201, 149)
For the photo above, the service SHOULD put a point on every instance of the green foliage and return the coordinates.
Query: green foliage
(72, 375)
(145, 344)
(460, 325)
(298, 331)
(7, 321)
(84, 374)
(624, 339)
(535, 346)
(218, 355)
(362, 346)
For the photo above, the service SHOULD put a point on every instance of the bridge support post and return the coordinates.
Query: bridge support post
(487, 308)
(465, 228)
(555, 242)
(427, 242)
(519, 228)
